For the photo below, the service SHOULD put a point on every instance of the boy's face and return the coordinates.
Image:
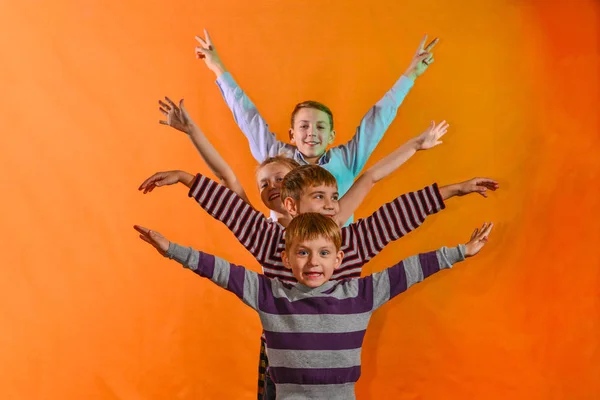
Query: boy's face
(269, 180)
(322, 199)
(311, 133)
(312, 261)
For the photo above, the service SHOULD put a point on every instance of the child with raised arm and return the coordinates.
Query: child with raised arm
(271, 171)
(315, 328)
(312, 128)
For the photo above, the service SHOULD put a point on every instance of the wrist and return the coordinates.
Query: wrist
(410, 74)
(219, 69)
(190, 128)
(415, 143)
(449, 191)
(186, 178)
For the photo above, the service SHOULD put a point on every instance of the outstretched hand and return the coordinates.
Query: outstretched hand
(160, 243)
(177, 116)
(422, 59)
(479, 238)
(476, 185)
(166, 178)
(431, 137)
(206, 51)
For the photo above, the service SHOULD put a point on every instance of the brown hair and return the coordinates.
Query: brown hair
(311, 226)
(313, 104)
(305, 176)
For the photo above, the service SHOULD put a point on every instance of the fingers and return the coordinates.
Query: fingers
(485, 231)
(149, 181)
(171, 103)
(200, 52)
(474, 234)
(429, 60)
(141, 229)
(202, 41)
(145, 239)
(422, 44)
(163, 105)
(432, 44)
(208, 39)
(163, 122)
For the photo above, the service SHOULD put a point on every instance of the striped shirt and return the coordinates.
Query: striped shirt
(361, 240)
(315, 335)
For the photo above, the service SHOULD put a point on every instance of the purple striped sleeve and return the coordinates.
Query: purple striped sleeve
(252, 229)
(368, 236)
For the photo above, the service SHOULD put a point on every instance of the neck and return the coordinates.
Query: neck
(312, 160)
(283, 218)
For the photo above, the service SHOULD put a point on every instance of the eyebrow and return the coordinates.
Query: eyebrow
(318, 122)
(322, 192)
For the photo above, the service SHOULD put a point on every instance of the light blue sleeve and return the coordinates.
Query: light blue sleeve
(263, 143)
(357, 151)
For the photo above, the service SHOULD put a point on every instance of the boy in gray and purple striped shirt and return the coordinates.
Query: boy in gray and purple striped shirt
(315, 328)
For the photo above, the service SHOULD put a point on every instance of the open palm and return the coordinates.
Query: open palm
(431, 137)
(177, 116)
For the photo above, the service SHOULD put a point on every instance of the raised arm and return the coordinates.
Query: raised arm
(390, 282)
(178, 118)
(378, 119)
(236, 279)
(263, 142)
(253, 230)
(356, 194)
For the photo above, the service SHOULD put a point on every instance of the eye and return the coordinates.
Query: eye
(319, 196)
(303, 126)
(302, 253)
(279, 179)
(324, 253)
(321, 128)
(335, 197)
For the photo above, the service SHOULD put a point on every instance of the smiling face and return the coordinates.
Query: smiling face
(313, 261)
(269, 178)
(322, 199)
(311, 132)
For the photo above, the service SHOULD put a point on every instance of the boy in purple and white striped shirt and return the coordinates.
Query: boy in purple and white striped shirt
(315, 328)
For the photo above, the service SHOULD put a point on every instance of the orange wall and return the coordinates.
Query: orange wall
(88, 311)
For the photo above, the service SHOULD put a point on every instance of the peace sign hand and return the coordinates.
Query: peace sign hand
(206, 51)
(422, 59)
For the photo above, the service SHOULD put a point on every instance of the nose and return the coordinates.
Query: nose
(328, 204)
(313, 260)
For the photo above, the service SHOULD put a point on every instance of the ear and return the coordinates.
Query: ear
(291, 206)
(285, 259)
(291, 133)
(338, 259)
(331, 137)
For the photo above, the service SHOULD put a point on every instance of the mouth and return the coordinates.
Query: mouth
(274, 196)
(312, 144)
(312, 275)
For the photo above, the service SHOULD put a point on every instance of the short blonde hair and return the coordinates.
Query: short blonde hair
(288, 162)
(299, 179)
(311, 226)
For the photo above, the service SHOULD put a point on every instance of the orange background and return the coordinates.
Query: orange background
(88, 311)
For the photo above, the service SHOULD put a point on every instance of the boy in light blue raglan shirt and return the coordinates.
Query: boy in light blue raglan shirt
(312, 126)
